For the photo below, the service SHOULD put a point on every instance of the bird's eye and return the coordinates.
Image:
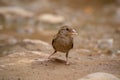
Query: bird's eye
(67, 29)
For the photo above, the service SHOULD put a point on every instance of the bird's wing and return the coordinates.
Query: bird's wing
(54, 39)
(71, 42)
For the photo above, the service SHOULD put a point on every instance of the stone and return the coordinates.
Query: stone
(51, 18)
(105, 43)
(16, 11)
(12, 41)
(100, 76)
(38, 44)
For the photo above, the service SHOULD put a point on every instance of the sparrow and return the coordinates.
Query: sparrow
(63, 41)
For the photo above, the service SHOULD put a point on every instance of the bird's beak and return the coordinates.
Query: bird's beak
(73, 32)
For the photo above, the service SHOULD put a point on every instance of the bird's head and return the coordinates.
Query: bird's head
(67, 31)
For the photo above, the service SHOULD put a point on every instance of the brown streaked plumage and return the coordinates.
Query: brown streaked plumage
(63, 41)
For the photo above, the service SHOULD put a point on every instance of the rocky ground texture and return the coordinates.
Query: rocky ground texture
(28, 26)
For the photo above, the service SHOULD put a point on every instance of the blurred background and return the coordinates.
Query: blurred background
(27, 28)
(96, 21)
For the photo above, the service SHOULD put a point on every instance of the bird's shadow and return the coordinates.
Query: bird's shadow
(57, 60)
(51, 60)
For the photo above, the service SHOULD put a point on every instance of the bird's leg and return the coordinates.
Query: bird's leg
(67, 61)
(52, 54)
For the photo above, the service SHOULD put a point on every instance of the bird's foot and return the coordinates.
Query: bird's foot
(67, 63)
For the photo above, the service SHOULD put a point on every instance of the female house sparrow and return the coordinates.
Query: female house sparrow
(63, 41)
